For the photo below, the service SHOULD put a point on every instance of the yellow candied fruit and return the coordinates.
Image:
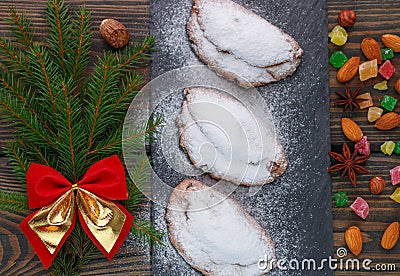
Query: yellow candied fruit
(338, 35)
(374, 113)
(338, 30)
(339, 40)
(381, 85)
(396, 195)
(388, 147)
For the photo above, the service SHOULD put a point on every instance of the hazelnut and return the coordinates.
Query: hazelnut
(347, 18)
(376, 185)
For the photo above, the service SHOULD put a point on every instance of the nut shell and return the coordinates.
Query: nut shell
(347, 18)
(391, 236)
(353, 239)
(376, 185)
(114, 33)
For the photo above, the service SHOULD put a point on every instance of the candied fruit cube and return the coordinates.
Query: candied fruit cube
(360, 207)
(395, 175)
(388, 102)
(363, 147)
(396, 195)
(337, 59)
(388, 147)
(338, 35)
(387, 53)
(381, 85)
(368, 69)
(374, 113)
(367, 100)
(397, 148)
(387, 70)
(339, 39)
(341, 199)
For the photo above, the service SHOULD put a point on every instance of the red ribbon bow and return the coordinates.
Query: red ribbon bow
(106, 223)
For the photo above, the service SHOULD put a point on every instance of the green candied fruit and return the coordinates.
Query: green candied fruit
(341, 199)
(387, 53)
(388, 103)
(337, 59)
(397, 148)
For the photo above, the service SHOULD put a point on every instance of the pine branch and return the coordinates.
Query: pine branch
(12, 201)
(21, 154)
(137, 53)
(101, 88)
(71, 144)
(59, 31)
(113, 144)
(139, 175)
(83, 245)
(135, 137)
(13, 87)
(44, 71)
(43, 159)
(33, 152)
(129, 89)
(44, 74)
(66, 122)
(21, 28)
(16, 59)
(77, 251)
(145, 231)
(18, 117)
(81, 42)
(17, 160)
(135, 195)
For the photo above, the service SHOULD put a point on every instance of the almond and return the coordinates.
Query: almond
(397, 86)
(376, 185)
(371, 49)
(348, 70)
(391, 41)
(353, 239)
(351, 130)
(388, 121)
(391, 236)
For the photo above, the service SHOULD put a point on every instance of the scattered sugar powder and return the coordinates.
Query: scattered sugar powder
(295, 209)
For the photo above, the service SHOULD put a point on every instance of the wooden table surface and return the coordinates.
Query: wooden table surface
(374, 18)
(16, 256)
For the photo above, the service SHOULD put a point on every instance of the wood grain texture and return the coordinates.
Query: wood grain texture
(374, 18)
(16, 255)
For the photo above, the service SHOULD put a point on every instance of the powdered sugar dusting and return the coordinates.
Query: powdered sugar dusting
(223, 137)
(243, 34)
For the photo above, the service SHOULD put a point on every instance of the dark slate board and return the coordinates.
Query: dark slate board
(296, 209)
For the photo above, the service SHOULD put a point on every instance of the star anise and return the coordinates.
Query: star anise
(349, 99)
(348, 163)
